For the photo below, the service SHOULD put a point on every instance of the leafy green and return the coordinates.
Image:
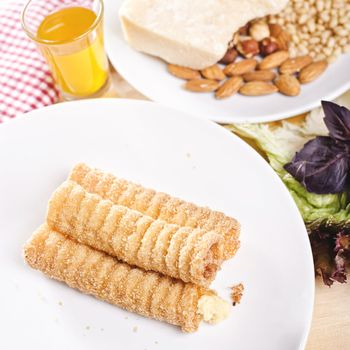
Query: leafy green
(280, 145)
(327, 216)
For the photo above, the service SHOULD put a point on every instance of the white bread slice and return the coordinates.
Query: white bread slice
(190, 33)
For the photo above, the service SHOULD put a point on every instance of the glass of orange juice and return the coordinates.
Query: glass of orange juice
(69, 33)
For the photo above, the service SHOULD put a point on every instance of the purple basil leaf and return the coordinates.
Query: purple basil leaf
(342, 246)
(330, 248)
(321, 166)
(339, 274)
(337, 120)
(342, 242)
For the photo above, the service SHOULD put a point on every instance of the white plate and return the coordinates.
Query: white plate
(149, 75)
(169, 151)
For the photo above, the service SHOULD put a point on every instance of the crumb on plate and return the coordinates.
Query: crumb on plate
(236, 293)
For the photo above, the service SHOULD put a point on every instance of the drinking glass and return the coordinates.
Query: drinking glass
(77, 60)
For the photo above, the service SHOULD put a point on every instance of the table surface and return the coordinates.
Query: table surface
(330, 328)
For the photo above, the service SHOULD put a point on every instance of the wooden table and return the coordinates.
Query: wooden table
(330, 328)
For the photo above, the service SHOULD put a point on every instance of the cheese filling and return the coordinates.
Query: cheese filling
(213, 308)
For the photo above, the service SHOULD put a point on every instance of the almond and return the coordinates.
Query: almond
(274, 60)
(312, 71)
(283, 39)
(202, 85)
(259, 75)
(229, 87)
(183, 72)
(288, 85)
(257, 88)
(241, 67)
(213, 72)
(275, 29)
(294, 65)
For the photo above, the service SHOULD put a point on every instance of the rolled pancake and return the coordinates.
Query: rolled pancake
(149, 294)
(192, 255)
(158, 205)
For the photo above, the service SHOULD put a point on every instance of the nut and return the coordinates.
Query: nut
(294, 65)
(229, 87)
(257, 88)
(183, 72)
(202, 85)
(268, 46)
(283, 40)
(319, 28)
(275, 29)
(288, 85)
(243, 30)
(259, 31)
(248, 48)
(234, 41)
(312, 71)
(235, 38)
(230, 56)
(240, 67)
(274, 60)
(259, 75)
(244, 37)
(213, 72)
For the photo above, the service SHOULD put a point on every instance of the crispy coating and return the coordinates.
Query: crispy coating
(158, 205)
(93, 272)
(186, 253)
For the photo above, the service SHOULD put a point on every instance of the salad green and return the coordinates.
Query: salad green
(327, 216)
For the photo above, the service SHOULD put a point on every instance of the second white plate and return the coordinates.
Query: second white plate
(149, 76)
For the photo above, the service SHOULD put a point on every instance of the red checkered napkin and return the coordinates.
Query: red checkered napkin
(25, 80)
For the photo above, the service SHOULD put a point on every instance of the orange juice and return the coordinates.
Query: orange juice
(74, 51)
